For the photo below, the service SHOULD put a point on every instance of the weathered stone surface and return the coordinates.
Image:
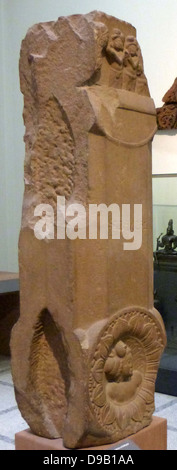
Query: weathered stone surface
(86, 348)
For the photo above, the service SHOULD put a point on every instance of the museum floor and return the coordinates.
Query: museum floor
(12, 422)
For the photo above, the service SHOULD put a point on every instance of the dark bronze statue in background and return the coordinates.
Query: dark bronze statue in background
(168, 242)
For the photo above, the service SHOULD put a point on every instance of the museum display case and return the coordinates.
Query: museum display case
(165, 274)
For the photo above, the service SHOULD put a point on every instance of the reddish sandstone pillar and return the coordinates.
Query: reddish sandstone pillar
(87, 346)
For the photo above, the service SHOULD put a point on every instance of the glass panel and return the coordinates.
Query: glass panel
(164, 204)
(165, 276)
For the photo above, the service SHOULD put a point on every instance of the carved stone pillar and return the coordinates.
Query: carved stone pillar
(86, 349)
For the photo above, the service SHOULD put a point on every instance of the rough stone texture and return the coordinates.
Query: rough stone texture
(87, 346)
(167, 114)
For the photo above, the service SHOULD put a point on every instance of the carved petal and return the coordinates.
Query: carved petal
(122, 418)
(108, 414)
(154, 354)
(138, 410)
(99, 397)
(136, 326)
(151, 372)
(147, 329)
(97, 370)
(105, 345)
(121, 327)
(146, 394)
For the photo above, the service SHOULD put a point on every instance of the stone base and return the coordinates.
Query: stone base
(153, 437)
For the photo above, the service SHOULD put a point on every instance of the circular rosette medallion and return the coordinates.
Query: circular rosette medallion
(124, 368)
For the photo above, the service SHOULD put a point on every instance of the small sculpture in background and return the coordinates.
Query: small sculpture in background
(168, 241)
(167, 114)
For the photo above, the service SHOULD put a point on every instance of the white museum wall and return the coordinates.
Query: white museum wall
(165, 152)
(155, 21)
(3, 211)
(164, 204)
